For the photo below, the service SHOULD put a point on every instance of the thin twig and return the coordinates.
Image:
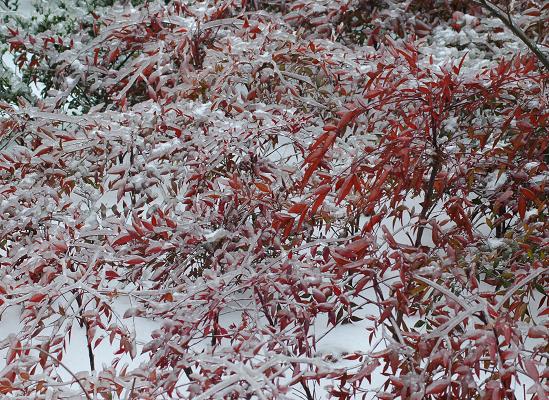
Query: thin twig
(508, 22)
(130, 395)
(64, 366)
(519, 285)
(307, 390)
(442, 290)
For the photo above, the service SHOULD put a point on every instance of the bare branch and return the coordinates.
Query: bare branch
(508, 22)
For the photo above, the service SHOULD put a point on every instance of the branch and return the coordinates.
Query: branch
(48, 354)
(307, 390)
(518, 285)
(508, 22)
(91, 356)
(130, 395)
(435, 165)
(443, 290)
(444, 329)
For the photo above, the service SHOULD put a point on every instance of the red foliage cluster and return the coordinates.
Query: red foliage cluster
(252, 177)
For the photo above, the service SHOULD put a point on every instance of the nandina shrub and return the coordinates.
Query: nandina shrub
(250, 189)
(447, 140)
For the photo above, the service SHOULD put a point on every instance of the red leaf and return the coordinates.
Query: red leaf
(325, 307)
(147, 225)
(136, 261)
(345, 188)
(372, 222)
(153, 250)
(361, 283)
(111, 275)
(358, 246)
(365, 371)
(347, 118)
(262, 187)
(122, 240)
(319, 296)
(532, 370)
(522, 207)
(114, 55)
(61, 246)
(36, 298)
(493, 313)
(528, 194)
(170, 223)
(373, 93)
(43, 151)
(309, 172)
(298, 208)
(322, 192)
(437, 387)
(538, 332)
(356, 183)
(389, 237)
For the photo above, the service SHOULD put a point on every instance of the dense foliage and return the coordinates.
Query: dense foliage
(252, 177)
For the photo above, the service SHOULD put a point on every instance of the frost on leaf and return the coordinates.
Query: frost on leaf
(273, 199)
